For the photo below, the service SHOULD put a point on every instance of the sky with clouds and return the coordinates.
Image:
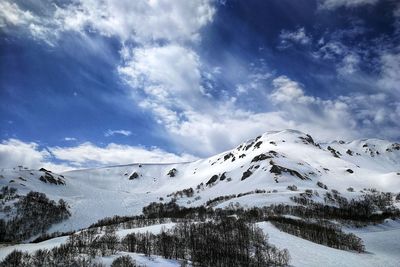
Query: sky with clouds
(89, 83)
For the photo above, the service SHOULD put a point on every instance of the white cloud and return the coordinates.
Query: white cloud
(209, 133)
(298, 36)
(390, 73)
(114, 132)
(163, 71)
(333, 4)
(14, 152)
(69, 139)
(351, 116)
(141, 20)
(330, 50)
(288, 90)
(12, 17)
(349, 65)
(11, 14)
(88, 154)
(346, 59)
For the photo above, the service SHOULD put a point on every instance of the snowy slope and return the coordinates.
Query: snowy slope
(382, 248)
(96, 193)
(381, 244)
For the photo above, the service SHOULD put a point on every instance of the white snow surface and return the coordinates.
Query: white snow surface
(381, 242)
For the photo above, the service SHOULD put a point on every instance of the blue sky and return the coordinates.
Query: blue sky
(86, 82)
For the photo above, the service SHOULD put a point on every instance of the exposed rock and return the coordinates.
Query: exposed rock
(228, 156)
(249, 145)
(335, 153)
(308, 139)
(258, 144)
(223, 176)
(273, 153)
(349, 171)
(349, 152)
(134, 175)
(172, 172)
(260, 157)
(49, 178)
(212, 180)
(278, 170)
(242, 156)
(246, 175)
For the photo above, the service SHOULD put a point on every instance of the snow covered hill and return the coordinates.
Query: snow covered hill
(256, 173)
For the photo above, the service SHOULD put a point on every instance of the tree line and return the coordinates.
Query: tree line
(35, 213)
(321, 232)
(228, 242)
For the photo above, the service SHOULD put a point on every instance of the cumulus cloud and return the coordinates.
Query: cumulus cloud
(288, 90)
(164, 73)
(88, 154)
(14, 152)
(120, 132)
(333, 4)
(350, 116)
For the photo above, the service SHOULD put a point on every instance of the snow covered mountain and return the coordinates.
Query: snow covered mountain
(273, 168)
(258, 172)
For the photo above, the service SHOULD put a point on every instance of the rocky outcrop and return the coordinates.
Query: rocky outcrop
(172, 172)
(133, 176)
(278, 170)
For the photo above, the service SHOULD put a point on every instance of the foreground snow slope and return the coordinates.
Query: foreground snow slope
(381, 243)
(269, 162)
